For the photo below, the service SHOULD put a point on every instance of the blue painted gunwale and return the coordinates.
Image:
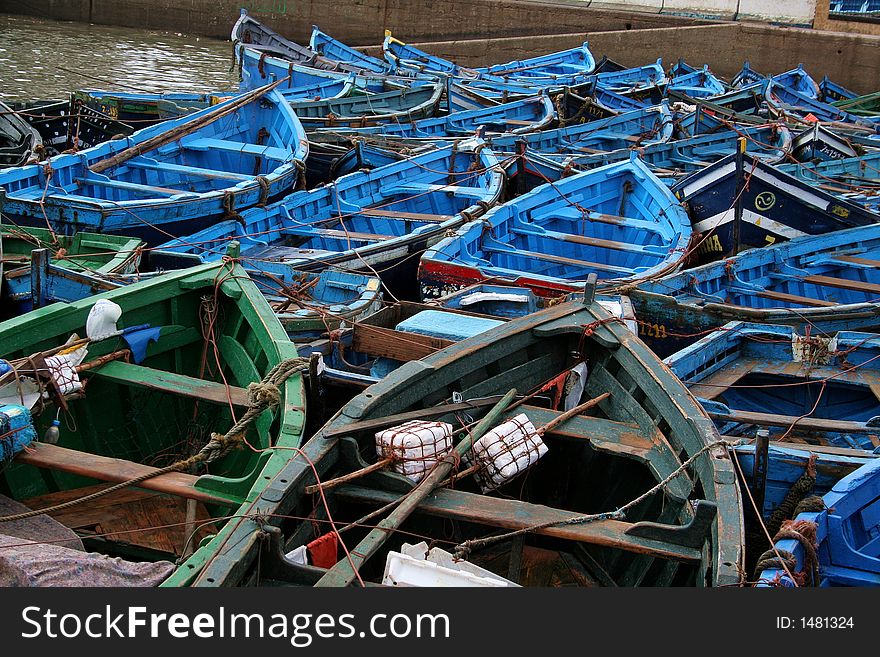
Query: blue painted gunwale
(405, 104)
(700, 83)
(769, 143)
(788, 101)
(186, 183)
(422, 185)
(833, 382)
(830, 91)
(331, 48)
(854, 170)
(618, 221)
(797, 80)
(769, 286)
(631, 129)
(527, 115)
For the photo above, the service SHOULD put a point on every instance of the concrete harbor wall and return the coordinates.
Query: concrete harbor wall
(476, 32)
(359, 22)
(849, 59)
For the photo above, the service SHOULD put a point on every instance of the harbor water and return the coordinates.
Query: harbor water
(43, 59)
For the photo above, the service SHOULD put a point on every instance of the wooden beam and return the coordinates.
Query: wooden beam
(717, 383)
(386, 342)
(173, 384)
(513, 514)
(843, 283)
(804, 424)
(406, 216)
(105, 468)
(794, 298)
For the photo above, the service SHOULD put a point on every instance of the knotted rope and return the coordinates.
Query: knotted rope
(261, 396)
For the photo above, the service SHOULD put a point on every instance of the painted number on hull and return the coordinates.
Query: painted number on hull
(653, 330)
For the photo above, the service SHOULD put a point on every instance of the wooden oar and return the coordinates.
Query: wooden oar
(181, 130)
(343, 573)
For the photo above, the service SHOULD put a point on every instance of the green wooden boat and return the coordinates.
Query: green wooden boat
(149, 400)
(867, 105)
(94, 254)
(642, 432)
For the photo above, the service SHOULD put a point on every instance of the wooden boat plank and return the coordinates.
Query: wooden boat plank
(859, 375)
(560, 259)
(408, 216)
(104, 468)
(858, 261)
(514, 514)
(846, 284)
(177, 384)
(131, 515)
(340, 234)
(619, 437)
(805, 424)
(793, 298)
(717, 383)
(399, 345)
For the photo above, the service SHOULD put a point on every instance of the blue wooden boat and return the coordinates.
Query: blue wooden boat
(614, 100)
(619, 222)
(250, 32)
(577, 61)
(311, 304)
(700, 83)
(747, 100)
(797, 80)
(19, 142)
(770, 143)
(824, 283)
(170, 178)
(325, 45)
(850, 173)
(741, 202)
(362, 220)
(601, 456)
(628, 130)
(817, 389)
(564, 64)
(632, 80)
(521, 116)
(39, 268)
(405, 105)
(788, 102)
(846, 534)
(362, 157)
(818, 144)
(259, 67)
(465, 95)
(831, 92)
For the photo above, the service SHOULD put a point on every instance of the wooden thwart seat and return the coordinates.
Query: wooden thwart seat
(513, 514)
(175, 384)
(793, 298)
(207, 143)
(843, 283)
(406, 216)
(104, 468)
(559, 259)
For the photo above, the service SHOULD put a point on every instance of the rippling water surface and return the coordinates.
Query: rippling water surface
(42, 59)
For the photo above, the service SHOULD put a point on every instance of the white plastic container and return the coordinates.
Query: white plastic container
(506, 451)
(415, 446)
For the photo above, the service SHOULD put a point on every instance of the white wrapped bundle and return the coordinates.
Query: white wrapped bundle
(507, 450)
(415, 446)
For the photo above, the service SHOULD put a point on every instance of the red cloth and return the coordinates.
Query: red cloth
(322, 551)
(557, 385)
